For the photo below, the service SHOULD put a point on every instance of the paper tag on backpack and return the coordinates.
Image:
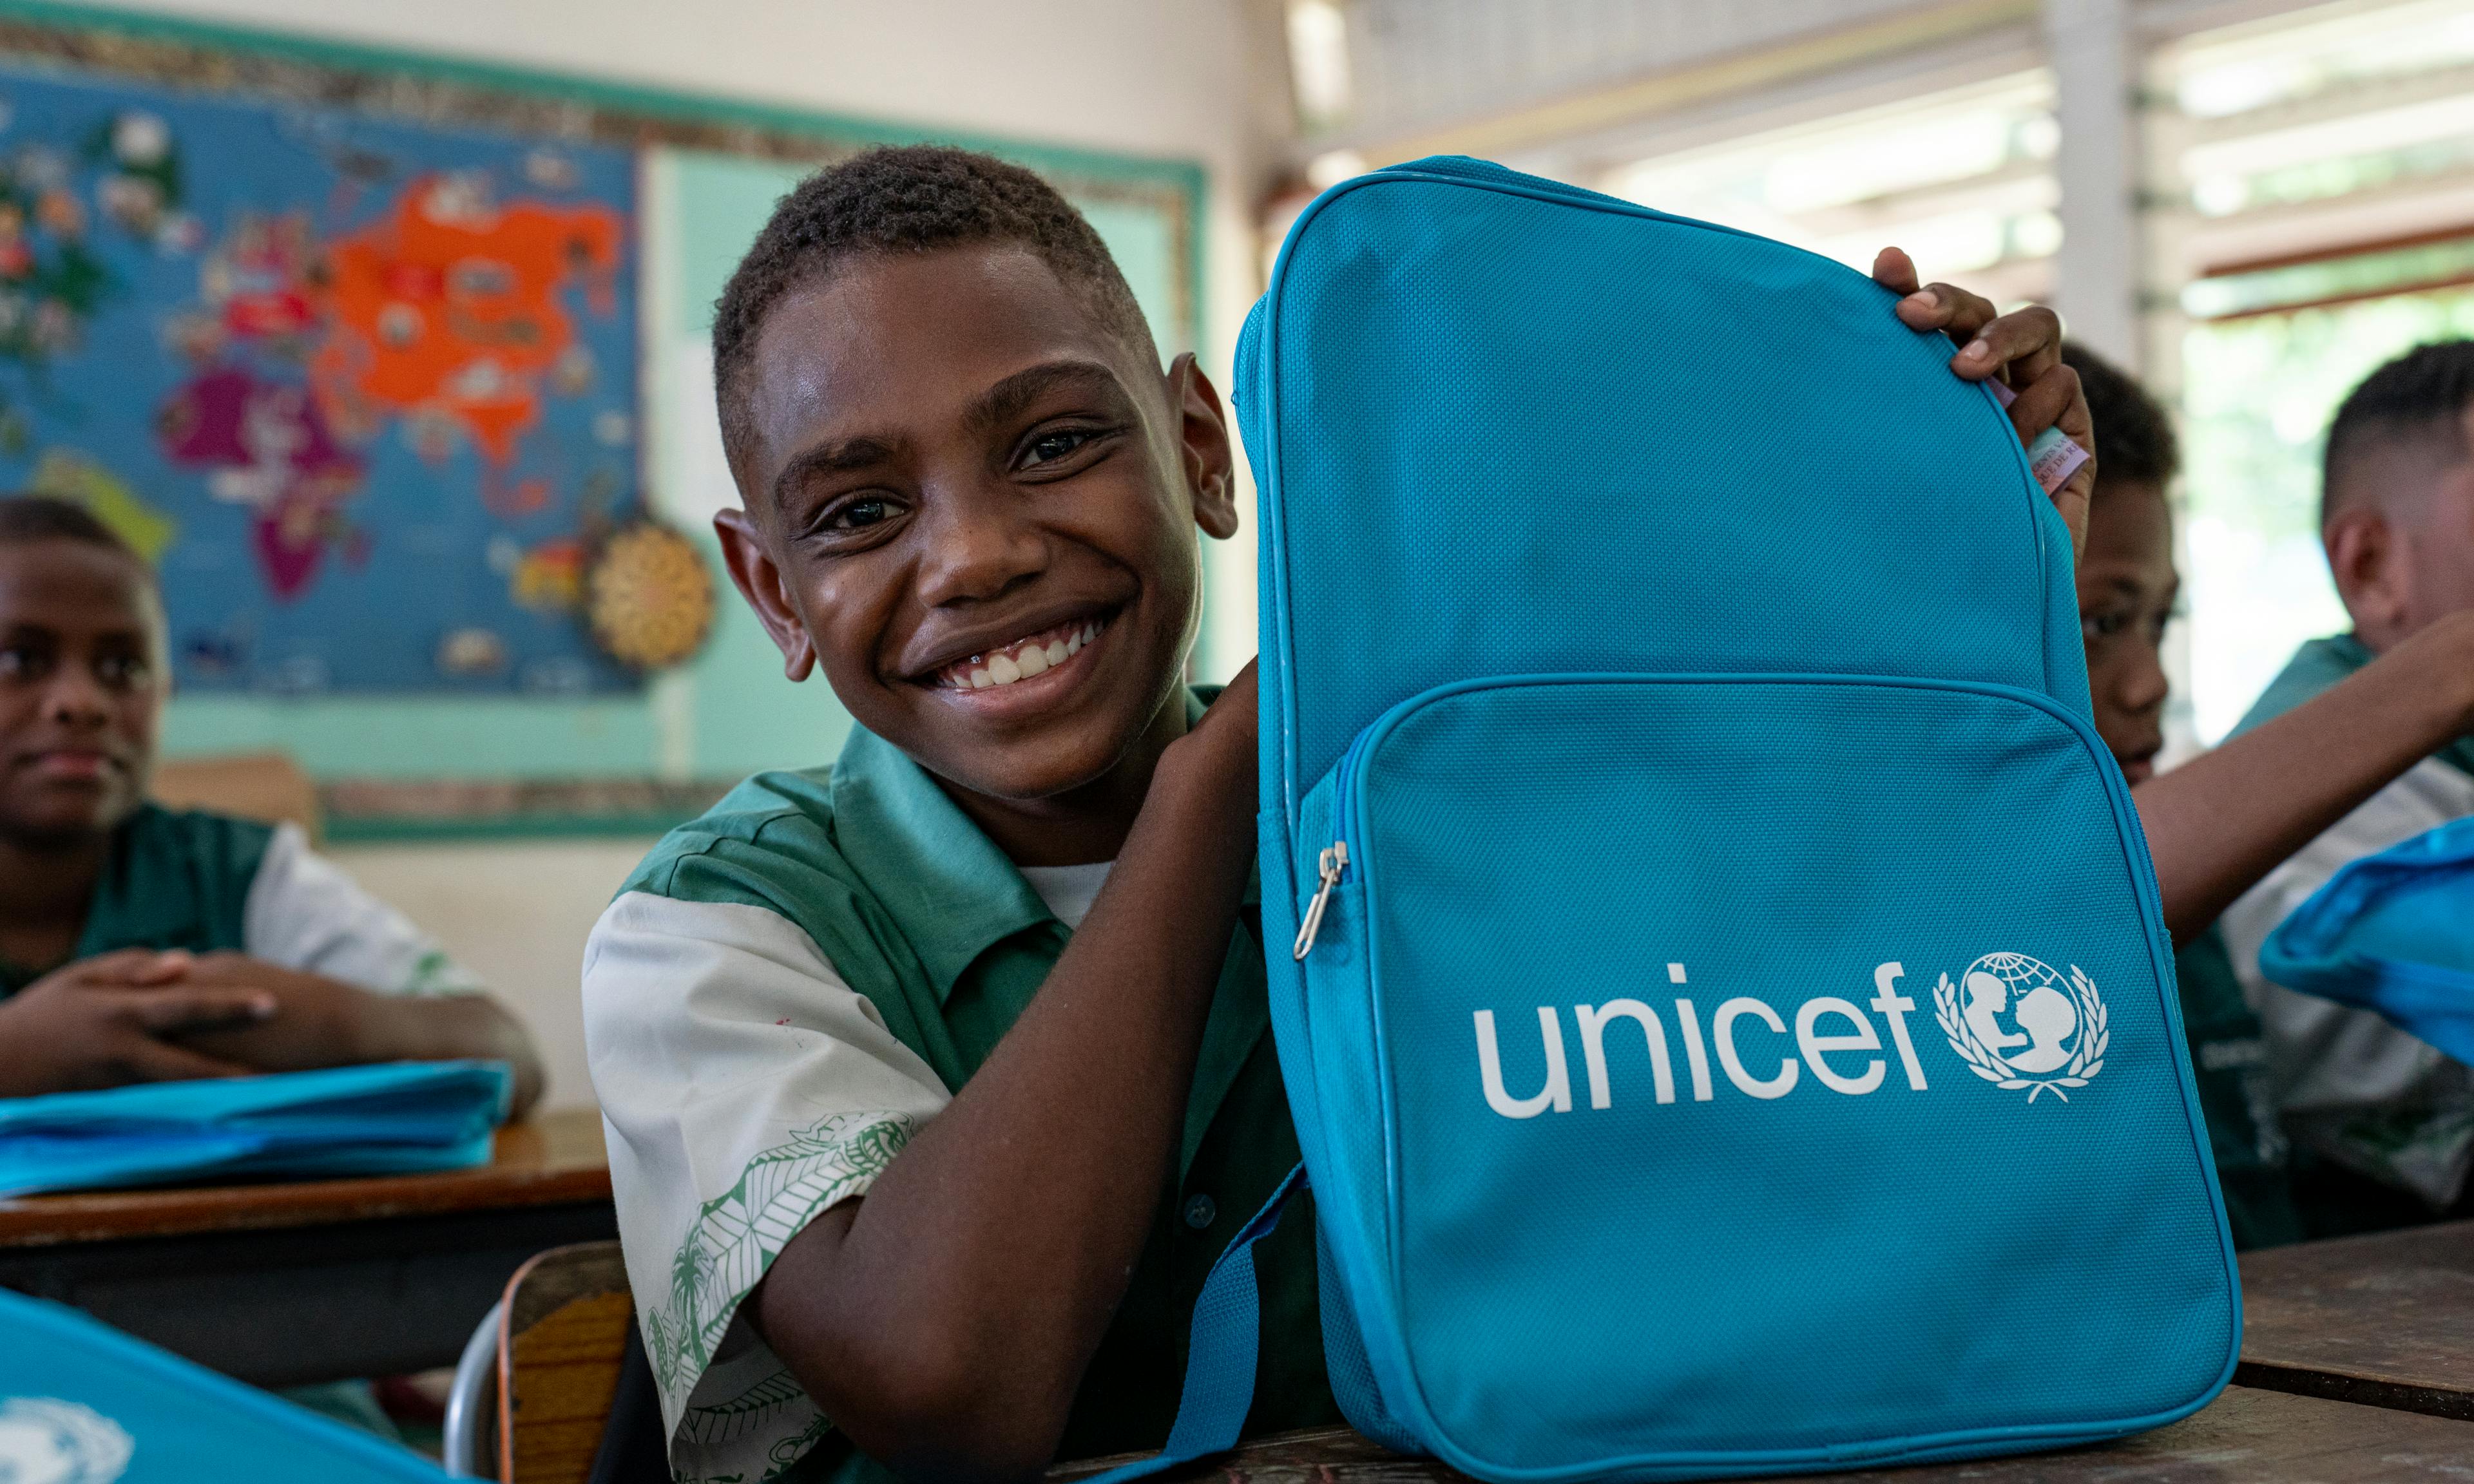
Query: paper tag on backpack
(2052, 456)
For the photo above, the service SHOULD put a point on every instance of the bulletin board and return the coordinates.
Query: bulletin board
(365, 392)
(618, 417)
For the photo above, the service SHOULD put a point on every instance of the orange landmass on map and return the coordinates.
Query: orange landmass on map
(449, 308)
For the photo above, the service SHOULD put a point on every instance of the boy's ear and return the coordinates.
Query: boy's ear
(1203, 449)
(2367, 556)
(759, 581)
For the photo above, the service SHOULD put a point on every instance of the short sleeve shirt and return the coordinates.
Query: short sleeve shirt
(790, 988)
(210, 883)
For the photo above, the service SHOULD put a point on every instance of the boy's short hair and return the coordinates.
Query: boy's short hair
(2417, 397)
(2134, 436)
(28, 518)
(911, 199)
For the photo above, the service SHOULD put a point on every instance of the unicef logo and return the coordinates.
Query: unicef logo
(45, 1440)
(2018, 1024)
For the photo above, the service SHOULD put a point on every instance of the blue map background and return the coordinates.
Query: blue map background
(418, 551)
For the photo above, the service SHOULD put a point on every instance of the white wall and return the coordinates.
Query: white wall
(1194, 79)
(515, 914)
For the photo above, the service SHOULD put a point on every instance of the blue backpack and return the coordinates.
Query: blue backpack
(1732, 1028)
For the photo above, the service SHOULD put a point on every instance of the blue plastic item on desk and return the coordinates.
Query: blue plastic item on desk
(80, 1401)
(397, 1117)
(2392, 933)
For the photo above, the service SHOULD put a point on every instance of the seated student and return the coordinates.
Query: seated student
(139, 945)
(2128, 591)
(936, 1080)
(2383, 1123)
(2218, 823)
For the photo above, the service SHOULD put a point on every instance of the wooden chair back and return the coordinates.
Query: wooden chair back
(268, 787)
(561, 1334)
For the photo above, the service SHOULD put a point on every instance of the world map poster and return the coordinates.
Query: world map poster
(365, 392)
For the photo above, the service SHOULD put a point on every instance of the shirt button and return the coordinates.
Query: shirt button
(1200, 1212)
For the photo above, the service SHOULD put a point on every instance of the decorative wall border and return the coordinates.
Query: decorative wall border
(380, 811)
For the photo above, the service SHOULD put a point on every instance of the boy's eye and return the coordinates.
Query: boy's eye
(2104, 626)
(859, 514)
(1060, 443)
(24, 662)
(121, 672)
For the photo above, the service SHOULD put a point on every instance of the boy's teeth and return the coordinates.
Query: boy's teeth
(1021, 660)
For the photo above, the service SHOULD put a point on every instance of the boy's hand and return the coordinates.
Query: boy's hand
(100, 1022)
(318, 1022)
(2024, 352)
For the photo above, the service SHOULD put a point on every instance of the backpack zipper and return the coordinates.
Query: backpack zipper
(1332, 865)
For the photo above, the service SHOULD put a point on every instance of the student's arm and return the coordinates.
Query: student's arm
(100, 1022)
(944, 1321)
(2221, 822)
(319, 1021)
(355, 980)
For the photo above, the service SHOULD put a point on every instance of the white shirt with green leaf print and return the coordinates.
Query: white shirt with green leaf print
(746, 1089)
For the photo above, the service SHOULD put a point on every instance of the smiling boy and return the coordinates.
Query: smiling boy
(936, 1080)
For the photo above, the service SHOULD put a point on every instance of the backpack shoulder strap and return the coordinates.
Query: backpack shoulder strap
(1220, 1350)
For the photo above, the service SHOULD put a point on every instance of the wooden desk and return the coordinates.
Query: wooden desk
(283, 1284)
(2245, 1437)
(2386, 1320)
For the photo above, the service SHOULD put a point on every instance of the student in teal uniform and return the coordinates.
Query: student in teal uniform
(2222, 821)
(137, 944)
(2383, 1123)
(938, 1078)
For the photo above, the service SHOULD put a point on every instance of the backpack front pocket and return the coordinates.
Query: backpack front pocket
(1729, 1042)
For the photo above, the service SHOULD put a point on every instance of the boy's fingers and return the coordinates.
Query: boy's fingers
(2027, 343)
(1969, 313)
(198, 1010)
(1894, 270)
(164, 968)
(2056, 399)
(2044, 402)
(1946, 307)
(159, 1061)
(121, 966)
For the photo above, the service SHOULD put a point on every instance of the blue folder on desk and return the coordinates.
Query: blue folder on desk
(80, 1401)
(2393, 933)
(393, 1118)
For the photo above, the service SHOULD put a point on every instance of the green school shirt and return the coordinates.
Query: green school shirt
(173, 880)
(921, 914)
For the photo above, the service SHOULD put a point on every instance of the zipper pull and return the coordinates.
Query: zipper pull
(1329, 865)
